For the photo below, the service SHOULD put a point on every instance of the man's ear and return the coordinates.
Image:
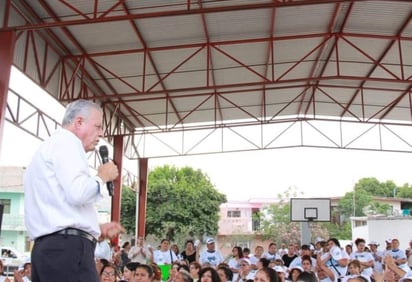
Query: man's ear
(78, 121)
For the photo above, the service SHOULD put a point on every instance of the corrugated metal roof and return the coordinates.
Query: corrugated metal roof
(163, 65)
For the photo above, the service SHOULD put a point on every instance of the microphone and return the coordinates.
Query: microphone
(104, 154)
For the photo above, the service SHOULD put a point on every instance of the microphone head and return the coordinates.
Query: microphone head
(103, 151)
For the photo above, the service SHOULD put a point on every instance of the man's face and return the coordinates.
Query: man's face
(258, 251)
(395, 244)
(211, 246)
(90, 129)
(273, 249)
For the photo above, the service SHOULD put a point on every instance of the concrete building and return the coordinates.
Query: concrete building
(381, 228)
(238, 224)
(13, 230)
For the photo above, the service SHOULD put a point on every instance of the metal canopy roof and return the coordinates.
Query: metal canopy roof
(253, 70)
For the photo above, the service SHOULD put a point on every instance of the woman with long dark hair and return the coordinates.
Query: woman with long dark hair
(234, 262)
(190, 252)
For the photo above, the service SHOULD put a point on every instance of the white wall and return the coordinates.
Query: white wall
(379, 230)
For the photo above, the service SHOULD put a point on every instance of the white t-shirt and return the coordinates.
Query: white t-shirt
(164, 257)
(253, 259)
(213, 258)
(363, 257)
(398, 254)
(270, 256)
(377, 267)
(298, 262)
(234, 263)
(336, 255)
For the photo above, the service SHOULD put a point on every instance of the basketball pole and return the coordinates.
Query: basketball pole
(305, 232)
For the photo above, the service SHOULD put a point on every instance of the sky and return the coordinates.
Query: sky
(314, 172)
(242, 176)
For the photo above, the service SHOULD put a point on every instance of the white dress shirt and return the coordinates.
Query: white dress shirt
(59, 191)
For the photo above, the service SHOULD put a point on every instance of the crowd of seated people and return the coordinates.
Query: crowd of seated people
(323, 261)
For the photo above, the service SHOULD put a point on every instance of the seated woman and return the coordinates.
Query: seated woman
(354, 269)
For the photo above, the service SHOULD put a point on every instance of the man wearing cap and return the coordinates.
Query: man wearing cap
(378, 257)
(210, 256)
(245, 272)
(304, 251)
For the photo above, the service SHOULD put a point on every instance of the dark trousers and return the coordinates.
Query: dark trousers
(63, 258)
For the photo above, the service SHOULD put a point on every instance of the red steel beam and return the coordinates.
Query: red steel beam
(183, 12)
(141, 216)
(8, 41)
(117, 195)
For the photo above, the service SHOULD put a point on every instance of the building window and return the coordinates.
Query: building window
(255, 219)
(233, 213)
(6, 205)
(243, 244)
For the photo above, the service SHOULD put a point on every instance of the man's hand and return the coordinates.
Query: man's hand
(108, 171)
(111, 230)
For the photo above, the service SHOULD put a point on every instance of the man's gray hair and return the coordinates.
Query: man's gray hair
(79, 107)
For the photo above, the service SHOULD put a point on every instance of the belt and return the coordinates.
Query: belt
(70, 232)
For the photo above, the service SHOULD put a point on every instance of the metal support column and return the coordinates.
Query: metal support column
(117, 196)
(7, 43)
(141, 218)
(305, 229)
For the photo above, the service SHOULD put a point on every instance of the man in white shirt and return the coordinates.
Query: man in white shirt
(272, 254)
(398, 254)
(210, 256)
(60, 196)
(139, 252)
(256, 256)
(305, 251)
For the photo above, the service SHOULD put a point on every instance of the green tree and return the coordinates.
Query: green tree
(181, 202)
(128, 210)
(405, 191)
(275, 221)
(339, 231)
(375, 188)
(354, 204)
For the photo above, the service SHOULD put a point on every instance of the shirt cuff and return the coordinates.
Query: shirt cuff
(101, 187)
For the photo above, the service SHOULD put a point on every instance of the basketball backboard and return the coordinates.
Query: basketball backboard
(303, 209)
